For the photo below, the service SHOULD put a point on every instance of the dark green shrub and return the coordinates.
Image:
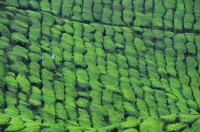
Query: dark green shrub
(48, 113)
(34, 69)
(189, 37)
(78, 59)
(128, 93)
(57, 50)
(4, 119)
(16, 124)
(35, 32)
(130, 50)
(157, 22)
(25, 112)
(143, 110)
(35, 47)
(68, 77)
(128, 16)
(142, 19)
(12, 3)
(176, 127)
(60, 112)
(24, 84)
(128, 37)
(17, 28)
(19, 67)
(48, 62)
(4, 31)
(84, 118)
(109, 30)
(106, 15)
(56, 32)
(68, 27)
(108, 44)
(118, 38)
(34, 57)
(116, 18)
(4, 42)
(170, 5)
(139, 44)
(47, 75)
(93, 72)
(45, 6)
(97, 10)
(188, 21)
(88, 32)
(20, 51)
(35, 97)
(179, 41)
(82, 78)
(48, 93)
(67, 8)
(18, 37)
(71, 111)
(59, 90)
(82, 102)
(191, 62)
(121, 60)
(55, 5)
(127, 4)
(151, 124)
(23, 3)
(130, 109)
(34, 4)
(159, 10)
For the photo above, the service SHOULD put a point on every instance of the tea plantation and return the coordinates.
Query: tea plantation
(120, 65)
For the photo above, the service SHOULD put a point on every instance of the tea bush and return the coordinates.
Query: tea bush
(59, 90)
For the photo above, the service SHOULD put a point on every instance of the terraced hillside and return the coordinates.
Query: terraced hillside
(120, 65)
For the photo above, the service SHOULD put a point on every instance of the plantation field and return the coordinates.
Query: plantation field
(120, 65)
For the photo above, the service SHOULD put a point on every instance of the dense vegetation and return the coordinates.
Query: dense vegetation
(121, 65)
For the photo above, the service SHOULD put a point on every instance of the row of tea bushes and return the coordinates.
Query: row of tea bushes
(174, 16)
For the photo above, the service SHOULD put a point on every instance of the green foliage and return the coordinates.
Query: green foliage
(45, 6)
(121, 60)
(20, 51)
(60, 111)
(130, 109)
(106, 16)
(179, 41)
(4, 42)
(151, 124)
(48, 62)
(47, 75)
(142, 19)
(4, 119)
(18, 37)
(82, 78)
(108, 44)
(128, 16)
(35, 97)
(24, 84)
(15, 124)
(19, 67)
(191, 62)
(59, 90)
(139, 44)
(12, 3)
(143, 110)
(55, 5)
(82, 103)
(78, 59)
(176, 127)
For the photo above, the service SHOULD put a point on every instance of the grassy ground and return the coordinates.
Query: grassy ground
(120, 65)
